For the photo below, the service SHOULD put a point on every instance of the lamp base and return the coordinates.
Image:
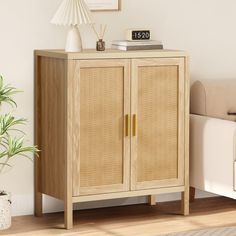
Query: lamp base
(73, 42)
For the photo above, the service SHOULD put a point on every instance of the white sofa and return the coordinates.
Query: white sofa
(213, 137)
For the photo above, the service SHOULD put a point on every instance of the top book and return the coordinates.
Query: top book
(136, 43)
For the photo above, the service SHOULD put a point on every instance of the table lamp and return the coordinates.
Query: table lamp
(72, 13)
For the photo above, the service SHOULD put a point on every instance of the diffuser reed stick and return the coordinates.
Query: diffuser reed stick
(102, 32)
(95, 31)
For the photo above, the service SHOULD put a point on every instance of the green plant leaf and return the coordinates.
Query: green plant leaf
(3, 154)
(15, 146)
(5, 164)
(11, 146)
(1, 82)
(7, 122)
(6, 93)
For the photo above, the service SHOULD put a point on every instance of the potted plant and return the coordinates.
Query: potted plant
(11, 146)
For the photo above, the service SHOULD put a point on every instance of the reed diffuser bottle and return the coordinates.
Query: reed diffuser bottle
(100, 44)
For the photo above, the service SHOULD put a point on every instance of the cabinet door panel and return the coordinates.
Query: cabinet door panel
(158, 102)
(103, 150)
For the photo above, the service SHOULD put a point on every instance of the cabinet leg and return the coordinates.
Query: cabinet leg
(185, 202)
(38, 196)
(38, 204)
(192, 194)
(68, 215)
(152, 200)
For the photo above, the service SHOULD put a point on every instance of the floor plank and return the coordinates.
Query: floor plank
(138, 220)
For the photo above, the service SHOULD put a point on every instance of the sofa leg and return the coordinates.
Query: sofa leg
(192, 194)
(152, 200)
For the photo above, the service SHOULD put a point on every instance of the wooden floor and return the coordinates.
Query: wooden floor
(136, 220)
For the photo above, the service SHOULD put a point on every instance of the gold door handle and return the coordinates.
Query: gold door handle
(134, 125)
(126, 125)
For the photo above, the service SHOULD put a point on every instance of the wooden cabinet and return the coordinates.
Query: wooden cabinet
(111, 125)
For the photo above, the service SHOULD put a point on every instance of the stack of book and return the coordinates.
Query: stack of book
(127, 45)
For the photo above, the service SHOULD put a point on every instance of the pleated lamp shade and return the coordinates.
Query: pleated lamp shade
(72, 13)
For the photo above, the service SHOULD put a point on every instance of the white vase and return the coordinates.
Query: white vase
(5, 211)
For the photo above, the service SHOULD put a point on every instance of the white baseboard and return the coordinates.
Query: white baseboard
(23, 204)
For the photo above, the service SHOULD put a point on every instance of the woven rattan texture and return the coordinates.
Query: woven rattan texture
(157, 123)
(101, 126)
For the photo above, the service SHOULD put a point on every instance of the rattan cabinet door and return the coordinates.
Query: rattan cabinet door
(102, 156)
(157, 143)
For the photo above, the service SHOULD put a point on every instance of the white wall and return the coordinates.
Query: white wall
(205, 28)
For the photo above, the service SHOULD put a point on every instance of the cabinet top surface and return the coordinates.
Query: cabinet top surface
(110, 53)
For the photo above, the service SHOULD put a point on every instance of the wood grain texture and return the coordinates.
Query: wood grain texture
(53, 129)
(72, 139)
(111, 54)
(158, 101)
(138, 220)
(185, 195)
(146, 192)
(38, 198)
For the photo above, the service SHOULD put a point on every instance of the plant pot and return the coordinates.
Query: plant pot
(5, 211)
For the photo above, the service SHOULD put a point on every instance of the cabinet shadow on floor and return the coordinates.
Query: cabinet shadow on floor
(132, 220)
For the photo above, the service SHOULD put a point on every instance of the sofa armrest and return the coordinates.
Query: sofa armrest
(214, 98)
(212, 155)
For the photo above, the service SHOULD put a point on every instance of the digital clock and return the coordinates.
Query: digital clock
(135, 34)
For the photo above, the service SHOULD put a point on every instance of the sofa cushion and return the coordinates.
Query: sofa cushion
(214, 98)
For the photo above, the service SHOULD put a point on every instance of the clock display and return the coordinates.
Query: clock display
(141, 35)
